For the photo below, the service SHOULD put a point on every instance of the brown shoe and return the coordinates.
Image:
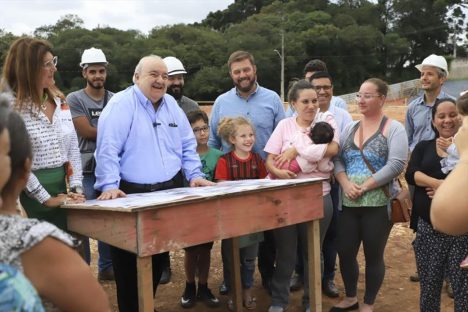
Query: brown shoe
(414, 277)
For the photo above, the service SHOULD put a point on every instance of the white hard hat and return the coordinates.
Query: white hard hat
(174, 66)
(92, 56)
(434, 60)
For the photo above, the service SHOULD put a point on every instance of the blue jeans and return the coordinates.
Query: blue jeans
(248, 255)
(105, 260)
(329, 243)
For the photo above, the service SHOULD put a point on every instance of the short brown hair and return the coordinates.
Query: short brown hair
(196, 115)
(239, 56)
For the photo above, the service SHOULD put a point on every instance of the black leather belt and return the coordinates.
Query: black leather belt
(142, 188)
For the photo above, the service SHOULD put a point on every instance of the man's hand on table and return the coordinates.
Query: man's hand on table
(111, 194)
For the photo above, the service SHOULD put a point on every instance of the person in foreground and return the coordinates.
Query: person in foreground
(282, 148)
(42, 251)
(144, 142)
(452, 219)
(437, 254)
(373, 152)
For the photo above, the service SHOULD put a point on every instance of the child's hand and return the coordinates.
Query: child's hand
(443, 143)
(284, 174)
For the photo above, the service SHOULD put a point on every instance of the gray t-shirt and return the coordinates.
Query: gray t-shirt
(81, 104)
(187, 104)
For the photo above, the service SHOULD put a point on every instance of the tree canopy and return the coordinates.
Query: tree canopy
(357, 39)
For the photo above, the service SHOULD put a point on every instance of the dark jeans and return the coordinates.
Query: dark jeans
(104, 260)
(266, 257)
(329, 243)
(124, 262)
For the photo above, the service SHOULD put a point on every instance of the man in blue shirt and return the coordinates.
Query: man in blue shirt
(264, 109)
(418, 121)
(144, 142)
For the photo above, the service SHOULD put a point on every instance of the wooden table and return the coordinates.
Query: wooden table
(156, 228)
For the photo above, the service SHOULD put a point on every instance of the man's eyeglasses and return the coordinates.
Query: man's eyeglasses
(324, 88)
(53, 62)
(366, 96)
(156, 75)
(202, 129)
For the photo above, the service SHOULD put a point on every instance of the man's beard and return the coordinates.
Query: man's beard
(177, 91)
(247, 88)
(96, 84)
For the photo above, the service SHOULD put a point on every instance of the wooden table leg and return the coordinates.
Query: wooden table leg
(315, 274)
(234, 264)
(145, 284)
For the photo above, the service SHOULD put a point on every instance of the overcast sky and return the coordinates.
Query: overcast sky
(24, 16)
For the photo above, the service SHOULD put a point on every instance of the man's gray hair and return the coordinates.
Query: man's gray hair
(139, 66)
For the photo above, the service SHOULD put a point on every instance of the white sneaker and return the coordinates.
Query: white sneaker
(275, 309)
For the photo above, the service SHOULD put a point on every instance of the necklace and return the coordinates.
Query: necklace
(45, 97)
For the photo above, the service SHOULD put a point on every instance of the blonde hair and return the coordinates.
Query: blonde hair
(227, 127)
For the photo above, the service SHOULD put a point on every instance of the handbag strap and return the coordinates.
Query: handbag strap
(361, 139)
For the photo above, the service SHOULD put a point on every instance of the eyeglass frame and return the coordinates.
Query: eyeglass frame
(324, 88)
(358, 96)
(49, 63)
(199, 130)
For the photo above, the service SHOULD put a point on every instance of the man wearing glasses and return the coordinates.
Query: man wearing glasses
(317, 65)
(144, 143)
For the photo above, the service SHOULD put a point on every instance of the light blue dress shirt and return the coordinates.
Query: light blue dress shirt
(140, 145)
(263, 108)
(339, 102)
(419, 119)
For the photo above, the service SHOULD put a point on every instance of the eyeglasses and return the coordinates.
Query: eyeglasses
(324, 88)
(202, 129)
(366, 96)
(156, 75)
(51, 63)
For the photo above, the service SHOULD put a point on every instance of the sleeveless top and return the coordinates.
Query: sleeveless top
(376, 151)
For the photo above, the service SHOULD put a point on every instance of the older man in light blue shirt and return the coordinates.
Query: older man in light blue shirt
(144, 141)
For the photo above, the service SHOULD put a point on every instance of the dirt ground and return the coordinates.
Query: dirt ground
(397, 292)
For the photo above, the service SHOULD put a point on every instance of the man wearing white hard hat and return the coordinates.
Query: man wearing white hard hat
(175, 85)
(86, 106)
(418, 121)
(434, 73)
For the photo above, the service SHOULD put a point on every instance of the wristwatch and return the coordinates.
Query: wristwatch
(77, 189)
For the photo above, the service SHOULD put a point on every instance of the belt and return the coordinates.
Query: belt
(141, 188)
